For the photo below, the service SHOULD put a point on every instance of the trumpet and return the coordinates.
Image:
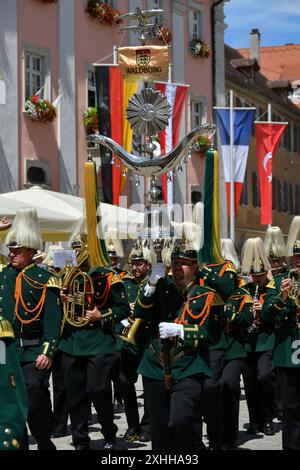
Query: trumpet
(130, 332)
(294, 292)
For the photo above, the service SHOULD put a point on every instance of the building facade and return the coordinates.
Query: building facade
(252, 88)
(52, 47)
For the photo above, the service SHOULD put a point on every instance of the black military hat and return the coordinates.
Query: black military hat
(180, 250)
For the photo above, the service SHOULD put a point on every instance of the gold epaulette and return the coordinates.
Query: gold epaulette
(231, 268)
(127, 276)
(248, 299)
(271, 284)
(116, 278)
(218, 300)
(6, 330)
(54, 282)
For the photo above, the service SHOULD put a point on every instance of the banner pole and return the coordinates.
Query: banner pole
(231, 169)
(270, 120)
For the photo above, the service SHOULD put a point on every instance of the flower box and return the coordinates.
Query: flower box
(164, 34)
(40, 110)
(103, 12)
(91, 120)
(199, 48)
(202, 144)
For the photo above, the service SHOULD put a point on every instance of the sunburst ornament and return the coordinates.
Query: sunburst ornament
(148, 112)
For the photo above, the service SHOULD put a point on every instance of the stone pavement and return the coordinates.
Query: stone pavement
(245, 442)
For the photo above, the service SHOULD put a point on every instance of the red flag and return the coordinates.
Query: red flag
(176, 95)
(268, 135)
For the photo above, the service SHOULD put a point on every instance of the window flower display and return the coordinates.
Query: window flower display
(202, 144)
(40, 110)
(199, 48)
(103, 12)
(90, 120)
(164, 34)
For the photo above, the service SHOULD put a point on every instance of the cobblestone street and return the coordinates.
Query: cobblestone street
(245, 441)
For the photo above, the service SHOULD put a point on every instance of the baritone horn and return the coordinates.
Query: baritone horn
(79, 289)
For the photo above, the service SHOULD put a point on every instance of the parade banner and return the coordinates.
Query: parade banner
(242, 122)
(268, 135)
(113, 94)
(144, 62)
(169, 138)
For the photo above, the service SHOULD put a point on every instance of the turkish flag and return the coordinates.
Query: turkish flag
(268, 135)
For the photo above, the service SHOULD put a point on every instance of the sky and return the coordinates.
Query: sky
(277, 20)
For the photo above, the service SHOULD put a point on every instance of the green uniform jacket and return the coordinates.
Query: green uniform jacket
(13, 408)
(221, 277)
(264, 339)
(38, 286)
(238, 317)
(193, 308)
(98, 337)
(282, 317)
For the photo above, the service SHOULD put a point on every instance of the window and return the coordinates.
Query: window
(290, 198)
(196, 195)
(33, 74)
(195, 24)
(198, 112)
(274, 194)
(244, 195)
(155, 4)
(297, 199)
(91, 91)
(36, 69)
(255, 191)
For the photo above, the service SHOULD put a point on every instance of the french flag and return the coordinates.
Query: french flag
(169, 138)
(242, 122)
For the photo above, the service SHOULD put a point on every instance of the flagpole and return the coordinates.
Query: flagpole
(231, 168)
(270, 120)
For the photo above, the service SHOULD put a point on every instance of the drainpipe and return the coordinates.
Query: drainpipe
(213, 47)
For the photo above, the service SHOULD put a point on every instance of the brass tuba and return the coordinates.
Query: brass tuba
(294, 293)
(79, 289)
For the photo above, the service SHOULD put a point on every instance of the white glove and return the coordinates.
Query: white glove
(158, 271)
(169, 330)
(125, 323)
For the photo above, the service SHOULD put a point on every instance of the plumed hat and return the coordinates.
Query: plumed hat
(293, 243)
(274, 243)
(229, 252)
(25, 230)
(254, 257)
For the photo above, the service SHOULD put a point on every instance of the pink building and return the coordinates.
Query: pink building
(53, 46)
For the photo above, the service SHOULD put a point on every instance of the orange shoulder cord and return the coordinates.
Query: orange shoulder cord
(105, 294)
(204, 312)
(18, 297)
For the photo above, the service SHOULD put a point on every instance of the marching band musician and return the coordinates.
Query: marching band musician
(140, 262)
(13, 410)
(174, 396)
(31, 303)
(282, 310)
(237, 317)
(89, 355)
(222, 278)
(275, 247)
(259, 372)
(114, 250)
